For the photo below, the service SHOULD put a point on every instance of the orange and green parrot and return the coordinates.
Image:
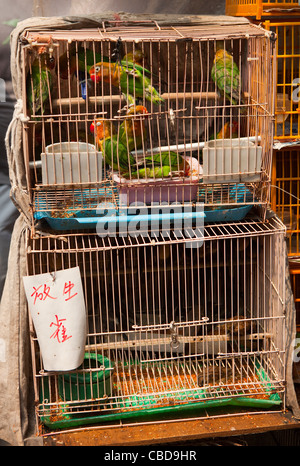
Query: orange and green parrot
(170, 159)
(162, 165)
(39, 83)
(156, 172)
(115, 154)
(131, 78)
(226, 76)
(78, 63)
(133, 131)
(81, 59)
(229, 130)
(134, 57)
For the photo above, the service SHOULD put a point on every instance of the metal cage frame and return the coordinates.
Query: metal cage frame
(191, 104)
(285, 194)
(213, 348)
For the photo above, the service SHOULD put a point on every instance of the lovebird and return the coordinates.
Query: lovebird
(86, 58)
(171, 159)
(229, 130)
(39, 83)
(226, 75)
(132, 131)
(134, 57)
(115, 154)
(162, 165)
(131, 78)
(80, 60)
(156, 172)
(78, 63)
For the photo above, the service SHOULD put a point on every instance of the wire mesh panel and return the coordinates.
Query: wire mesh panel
(287, 122)
(169, 325)
(139, 113)
(285, 194)
(295, 284)
(259, 8)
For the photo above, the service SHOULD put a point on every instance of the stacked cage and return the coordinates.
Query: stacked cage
(259, 9)
(285, 173)
(148, 151)
(172, 329)
(283, 18)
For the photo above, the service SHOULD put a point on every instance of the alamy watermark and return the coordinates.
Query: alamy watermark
(167, 220)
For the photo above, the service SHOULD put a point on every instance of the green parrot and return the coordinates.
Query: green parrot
(131, 78)
(157, 172)
(39, 83)
(169, 159)
(161, 165)
(81, 59)
(135, 85)
(226, 75)
(133, 131)
(115, 154)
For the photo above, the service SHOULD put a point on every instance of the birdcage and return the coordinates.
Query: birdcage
(259, 9)
(285, 194)
(287, 110)
(137, 114)
(174, 325)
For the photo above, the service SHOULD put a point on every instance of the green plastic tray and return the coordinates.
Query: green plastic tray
(140, 406)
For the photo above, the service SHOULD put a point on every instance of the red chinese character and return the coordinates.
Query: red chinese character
(67, 290)
(42, 295)
(60, 332)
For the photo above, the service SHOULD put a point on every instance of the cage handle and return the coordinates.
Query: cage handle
(121, 22)
(171, 326)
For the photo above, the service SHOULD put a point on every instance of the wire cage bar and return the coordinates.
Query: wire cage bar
(139, 113)
(294, 269)
(287, 123)
(259, 9)
(170, 326)
(285, 194)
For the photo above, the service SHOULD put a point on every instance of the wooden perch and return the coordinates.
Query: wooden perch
(65, 101)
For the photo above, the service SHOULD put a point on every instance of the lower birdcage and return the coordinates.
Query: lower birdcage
(175, 325)
(285, 194)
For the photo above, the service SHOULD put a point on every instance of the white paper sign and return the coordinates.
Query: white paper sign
(57, 308)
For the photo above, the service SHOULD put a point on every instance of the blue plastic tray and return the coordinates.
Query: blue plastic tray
(80, 221)
(220, 213)
(227, 215)
(73, 219)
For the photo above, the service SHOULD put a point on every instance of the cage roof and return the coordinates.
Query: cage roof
(142, 27)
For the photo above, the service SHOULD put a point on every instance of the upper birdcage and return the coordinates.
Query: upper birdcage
(136, 113)
(259, 8)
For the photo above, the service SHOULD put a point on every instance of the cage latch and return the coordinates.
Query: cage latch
(118, 52)
(174, 335)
